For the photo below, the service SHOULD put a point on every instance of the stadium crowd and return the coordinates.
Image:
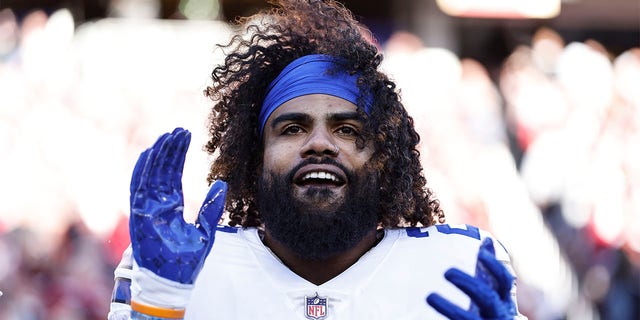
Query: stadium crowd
(546, 155)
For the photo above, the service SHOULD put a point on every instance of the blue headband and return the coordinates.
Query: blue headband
(312, 74)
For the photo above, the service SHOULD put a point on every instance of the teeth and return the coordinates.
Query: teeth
(320, 175)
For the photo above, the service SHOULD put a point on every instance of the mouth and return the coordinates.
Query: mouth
(319, 176)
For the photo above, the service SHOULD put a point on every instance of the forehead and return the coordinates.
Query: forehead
(316, 105)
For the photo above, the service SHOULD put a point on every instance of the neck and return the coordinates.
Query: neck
(320, 271)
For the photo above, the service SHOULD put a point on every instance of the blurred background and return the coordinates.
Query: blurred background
(529, 113)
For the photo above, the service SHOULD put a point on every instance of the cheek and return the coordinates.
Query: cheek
(278, 159)
(363, 156)
(361, 162)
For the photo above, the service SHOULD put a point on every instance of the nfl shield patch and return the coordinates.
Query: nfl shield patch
(315, 307)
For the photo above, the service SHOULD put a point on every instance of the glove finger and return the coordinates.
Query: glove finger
(487, 246)
(136, 175)
(488, 261)
(160, 173)
(486, 249)
(212, 208)
(178, 156)
(480, 292)
(147, 164)
(141, 174)
(498, 271)
(447, 308)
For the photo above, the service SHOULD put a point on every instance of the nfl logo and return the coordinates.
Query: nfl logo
(315, 307)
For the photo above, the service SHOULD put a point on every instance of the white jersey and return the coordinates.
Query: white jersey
(243, 279)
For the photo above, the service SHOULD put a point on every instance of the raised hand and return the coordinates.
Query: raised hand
(489, 290)
(162, 241)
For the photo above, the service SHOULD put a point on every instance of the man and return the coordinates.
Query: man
(329, 213)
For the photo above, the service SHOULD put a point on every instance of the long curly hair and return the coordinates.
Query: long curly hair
(272, 39)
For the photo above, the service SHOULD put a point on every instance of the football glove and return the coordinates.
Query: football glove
(489, 290)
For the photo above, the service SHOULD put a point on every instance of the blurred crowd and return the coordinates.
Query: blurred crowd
(544, 152)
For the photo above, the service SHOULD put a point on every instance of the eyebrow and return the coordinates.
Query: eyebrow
(306, 118)
(292, 116)
(343, 116)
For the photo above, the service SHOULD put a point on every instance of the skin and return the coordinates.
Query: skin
(318, 126)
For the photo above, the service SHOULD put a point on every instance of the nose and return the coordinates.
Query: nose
(319, 143)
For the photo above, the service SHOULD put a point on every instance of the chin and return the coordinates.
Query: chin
(321, 196)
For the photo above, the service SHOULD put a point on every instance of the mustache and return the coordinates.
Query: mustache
(324, 160)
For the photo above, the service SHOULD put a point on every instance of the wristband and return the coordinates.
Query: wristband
(157, 312)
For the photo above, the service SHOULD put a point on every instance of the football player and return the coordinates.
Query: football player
(317, 169)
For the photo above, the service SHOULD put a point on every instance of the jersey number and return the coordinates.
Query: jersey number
(470, 231)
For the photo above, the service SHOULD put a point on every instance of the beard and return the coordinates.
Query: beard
(321, 224)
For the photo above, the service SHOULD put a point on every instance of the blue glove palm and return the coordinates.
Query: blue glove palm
(162, 241)
(489, 290)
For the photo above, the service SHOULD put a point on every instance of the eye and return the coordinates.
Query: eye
(346, 130)
(292, 129)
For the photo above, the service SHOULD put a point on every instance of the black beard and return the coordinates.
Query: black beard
(314, 233)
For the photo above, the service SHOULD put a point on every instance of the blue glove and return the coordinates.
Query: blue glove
(162, 241)
(489, 290)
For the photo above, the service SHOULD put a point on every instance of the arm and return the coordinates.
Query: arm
(490, 290)
(167, 252)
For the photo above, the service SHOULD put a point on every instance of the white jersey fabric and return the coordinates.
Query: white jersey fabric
(243, 279)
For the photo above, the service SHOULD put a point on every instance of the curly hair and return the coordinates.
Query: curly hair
(271, 40)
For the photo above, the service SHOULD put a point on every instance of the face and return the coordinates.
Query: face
(316, 195)
(308, 129)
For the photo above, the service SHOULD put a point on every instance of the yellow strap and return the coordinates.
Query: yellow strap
(157, 312)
